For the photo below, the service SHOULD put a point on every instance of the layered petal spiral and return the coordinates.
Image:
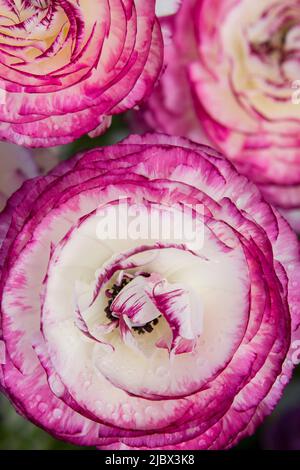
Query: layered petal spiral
(146, 342)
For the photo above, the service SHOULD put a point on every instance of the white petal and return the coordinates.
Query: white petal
(167, 7)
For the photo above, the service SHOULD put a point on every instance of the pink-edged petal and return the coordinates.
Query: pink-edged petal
(167, 7)
(134, 302)
(183, 312)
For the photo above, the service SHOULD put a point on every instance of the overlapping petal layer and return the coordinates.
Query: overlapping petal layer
(66, 66)
(80, 377)
(232, 76)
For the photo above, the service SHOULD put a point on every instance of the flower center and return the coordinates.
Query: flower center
(115, 291)
(134, 301)
(275, 45)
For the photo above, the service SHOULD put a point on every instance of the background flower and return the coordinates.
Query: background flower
(231, 69)
(86, 321)
(66, 66)
(18, 164)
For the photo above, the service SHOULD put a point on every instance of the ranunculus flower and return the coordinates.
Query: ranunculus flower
(18, 164)
(67, 66)
(136, 342)
(231, 69)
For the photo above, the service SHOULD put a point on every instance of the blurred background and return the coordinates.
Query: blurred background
(280, 431)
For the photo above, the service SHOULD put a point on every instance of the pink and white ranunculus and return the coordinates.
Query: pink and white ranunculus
(231, 69)
(18, 164)
(146, 343)
(67, 66)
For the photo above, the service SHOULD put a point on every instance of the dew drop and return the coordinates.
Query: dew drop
(284, 379)
(56, 385)
(57, 413)
(42, 407)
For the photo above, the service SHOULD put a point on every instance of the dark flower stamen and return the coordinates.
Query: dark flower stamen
(112, 294)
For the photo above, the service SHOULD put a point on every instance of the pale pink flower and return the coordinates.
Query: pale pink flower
(232, 77)
(18, 164)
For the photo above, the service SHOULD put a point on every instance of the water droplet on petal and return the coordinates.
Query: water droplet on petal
(57, 413)
(284, 379)
(42, 407)
(56, 385)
